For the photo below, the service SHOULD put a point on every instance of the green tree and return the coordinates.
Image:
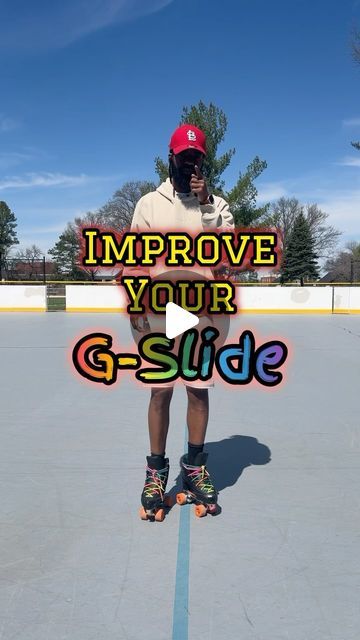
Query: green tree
(299, 259)
(8, 235)
(242, 197)
(66, 253)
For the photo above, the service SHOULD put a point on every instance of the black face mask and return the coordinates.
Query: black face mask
(181, 175)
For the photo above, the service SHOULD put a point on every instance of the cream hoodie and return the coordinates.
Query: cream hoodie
(166, 210)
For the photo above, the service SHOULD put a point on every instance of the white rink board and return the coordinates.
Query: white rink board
(248, 298)
(95, 297)
(346, 299)
(22, 297)
(277, 298)
(354, 298)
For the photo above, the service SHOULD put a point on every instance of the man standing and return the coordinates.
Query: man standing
(182, 202)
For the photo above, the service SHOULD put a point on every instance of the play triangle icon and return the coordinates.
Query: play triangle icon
(178, 320)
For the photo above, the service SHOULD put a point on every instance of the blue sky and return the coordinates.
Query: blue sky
(91, 92)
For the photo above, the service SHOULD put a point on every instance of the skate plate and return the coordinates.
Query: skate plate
(201, 508)
(158, 513)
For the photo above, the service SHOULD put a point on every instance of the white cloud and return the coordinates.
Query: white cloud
(44, 236)
(340, 202)
(343, 207)
(43, 180)
(351, 122)
(55, 228)
(8, 124)
(350, 161)
(38, 25)
(28, 241)
(268, 191)
(12, 159)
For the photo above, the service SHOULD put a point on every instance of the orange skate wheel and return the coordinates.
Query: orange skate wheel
(200, 510)
(143, 514)
(168, 501)
(160, 515)
(181, 498)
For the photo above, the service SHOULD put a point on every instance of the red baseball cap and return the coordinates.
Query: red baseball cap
(188, 137)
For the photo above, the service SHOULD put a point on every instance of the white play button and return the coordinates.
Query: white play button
(178, 320)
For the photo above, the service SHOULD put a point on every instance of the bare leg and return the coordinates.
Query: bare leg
(197, 414)
(159, 418)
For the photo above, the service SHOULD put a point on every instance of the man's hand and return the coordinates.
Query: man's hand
(198, 185)
(140, 323)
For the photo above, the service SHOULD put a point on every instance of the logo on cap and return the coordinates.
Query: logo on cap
(187, 136)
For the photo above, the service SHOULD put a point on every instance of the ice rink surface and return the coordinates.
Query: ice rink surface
(281, 561)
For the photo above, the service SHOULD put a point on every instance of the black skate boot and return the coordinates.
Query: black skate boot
(197, 486)
(153, 499)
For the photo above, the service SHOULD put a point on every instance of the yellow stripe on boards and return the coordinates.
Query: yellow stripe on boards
(284, 311)
(22, 309)
(95, 310)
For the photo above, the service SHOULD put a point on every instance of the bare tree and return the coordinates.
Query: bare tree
(345, 265)
(284, 213)
(117, 213)
(30, 254)
(326, 237)
(30, 257)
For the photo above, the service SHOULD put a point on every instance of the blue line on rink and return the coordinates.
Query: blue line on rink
(181, 599)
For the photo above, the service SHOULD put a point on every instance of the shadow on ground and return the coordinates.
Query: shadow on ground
(228, 458)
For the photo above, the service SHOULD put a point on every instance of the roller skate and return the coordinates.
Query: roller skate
(153, 499)
(197, 486)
